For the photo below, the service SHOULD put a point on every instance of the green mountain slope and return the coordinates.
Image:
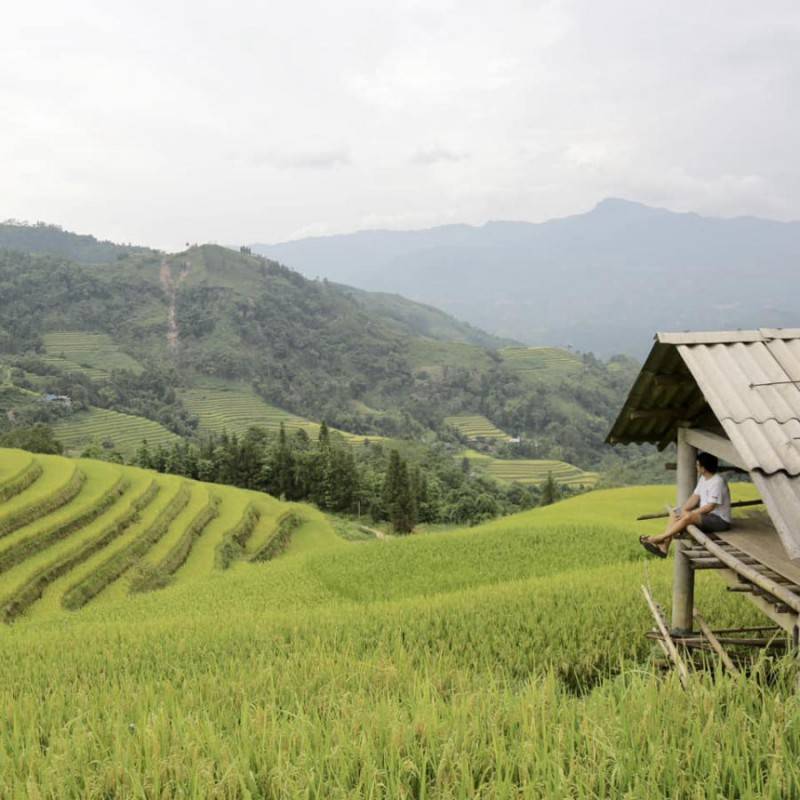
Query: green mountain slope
(161, 326)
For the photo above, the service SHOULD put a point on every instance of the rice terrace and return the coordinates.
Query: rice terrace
(360, 441)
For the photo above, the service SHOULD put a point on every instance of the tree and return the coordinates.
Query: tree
(404, 511)
(38, 438)
(550, 491)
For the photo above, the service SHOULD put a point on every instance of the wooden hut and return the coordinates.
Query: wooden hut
(735, 394)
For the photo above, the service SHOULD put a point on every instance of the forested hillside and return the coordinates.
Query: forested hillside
(152, 336)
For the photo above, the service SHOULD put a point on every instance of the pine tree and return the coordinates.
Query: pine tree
(391, 485)
(404, 512)
(142, 458)
(550, 491)
(282, 483)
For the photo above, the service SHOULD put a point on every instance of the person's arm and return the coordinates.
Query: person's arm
(689, 505)
(708, 508)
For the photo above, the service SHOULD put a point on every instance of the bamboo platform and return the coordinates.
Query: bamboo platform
(752, 560)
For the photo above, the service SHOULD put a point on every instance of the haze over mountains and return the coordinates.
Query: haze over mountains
(602, 281)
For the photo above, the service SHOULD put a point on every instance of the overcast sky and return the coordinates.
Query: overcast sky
(166, 122)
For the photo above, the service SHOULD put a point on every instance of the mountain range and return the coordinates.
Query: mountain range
(603, 281)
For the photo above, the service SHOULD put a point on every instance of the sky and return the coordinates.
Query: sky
(168, 122)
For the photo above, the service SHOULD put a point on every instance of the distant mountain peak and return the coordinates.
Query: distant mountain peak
(616, 205)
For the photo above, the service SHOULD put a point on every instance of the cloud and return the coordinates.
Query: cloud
(308, 159)
(437, 155)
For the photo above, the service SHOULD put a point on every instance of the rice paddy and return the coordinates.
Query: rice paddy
(505, 661)
(540, 361)
(475, 426)
(236, 409)
(85, 531)
(531, 472)
(95, 354)
(111, 430)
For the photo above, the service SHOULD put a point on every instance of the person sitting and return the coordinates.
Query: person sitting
(709, 508)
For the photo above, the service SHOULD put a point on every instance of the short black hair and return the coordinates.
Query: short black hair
(708, 462)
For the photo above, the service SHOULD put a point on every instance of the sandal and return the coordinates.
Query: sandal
(651, 548)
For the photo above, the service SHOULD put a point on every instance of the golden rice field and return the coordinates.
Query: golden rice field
(476, 426)
(123, 432)
(503, 661)
(540, 361)
(96, 354)
(73, 531)
(530, 471)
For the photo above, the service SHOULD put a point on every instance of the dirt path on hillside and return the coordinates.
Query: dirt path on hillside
(374, 531)
(170, 287)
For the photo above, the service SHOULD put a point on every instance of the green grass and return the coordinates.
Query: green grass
(98, 425)
(434, 356)
(505, 661)
(96, 354)
(540, 361)
(475, 426)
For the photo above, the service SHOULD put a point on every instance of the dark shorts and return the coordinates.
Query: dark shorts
(713, 523)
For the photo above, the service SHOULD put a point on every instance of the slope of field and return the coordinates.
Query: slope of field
(110, 430)
(503, 661)
(540, 361)
(475, 426)
(86, 531)
(235, 409)
(530, 471)
(93, 353)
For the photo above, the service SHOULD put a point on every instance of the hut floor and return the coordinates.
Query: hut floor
(756, 536)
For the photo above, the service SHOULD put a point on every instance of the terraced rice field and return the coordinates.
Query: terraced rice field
(475, 426)
(540, 361)
(530, 471)
(503, 661)
(123, 432)
(93, 353)
(84, 531)
(235, 410)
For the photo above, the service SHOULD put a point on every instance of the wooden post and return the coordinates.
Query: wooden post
(683, 579)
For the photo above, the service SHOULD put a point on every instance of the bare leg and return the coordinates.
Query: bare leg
(675, 527)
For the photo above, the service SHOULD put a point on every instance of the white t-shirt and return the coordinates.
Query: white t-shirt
(715, 490)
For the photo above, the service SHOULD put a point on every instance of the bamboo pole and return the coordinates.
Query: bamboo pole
(746, 571)
(683, 673)
(715, 643)
(664, 514)
(683, 576)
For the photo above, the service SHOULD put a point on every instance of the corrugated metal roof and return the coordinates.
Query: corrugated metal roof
(745, 382)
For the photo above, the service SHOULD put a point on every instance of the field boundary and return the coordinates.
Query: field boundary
(27, 594)
(21, 480)
(161, 575)
(46, 505)
(233, 542)
(37, 542)
(87, 589)
(285, 526)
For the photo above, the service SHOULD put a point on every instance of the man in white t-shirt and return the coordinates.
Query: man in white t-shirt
(709, 508)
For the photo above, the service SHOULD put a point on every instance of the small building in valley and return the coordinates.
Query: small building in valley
(735, 394)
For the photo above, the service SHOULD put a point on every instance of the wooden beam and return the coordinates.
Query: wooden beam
(671, 379)
(746, 571)
(683, 574)
(714, 642)
(739, 504)
(667, 414)
(717, 445)
(785, 621)
(683, 673)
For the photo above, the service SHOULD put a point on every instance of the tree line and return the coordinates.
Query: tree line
(366, 479)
